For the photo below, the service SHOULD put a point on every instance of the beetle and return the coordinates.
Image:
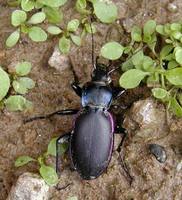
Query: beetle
(92, 136)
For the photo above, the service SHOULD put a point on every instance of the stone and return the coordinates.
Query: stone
(58, 60)
(146, 117)
(29, 187)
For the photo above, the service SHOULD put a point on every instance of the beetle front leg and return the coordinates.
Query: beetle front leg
(59, 141)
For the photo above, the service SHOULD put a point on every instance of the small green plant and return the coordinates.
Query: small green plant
(160, 69)
(49, 11)
(48, 173)
(13, 100)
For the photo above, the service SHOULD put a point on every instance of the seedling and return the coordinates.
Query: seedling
(48, 173)
(20, 84)
(161, 71)
(48, 10)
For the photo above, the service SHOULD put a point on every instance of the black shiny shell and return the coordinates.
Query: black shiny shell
(92, 143)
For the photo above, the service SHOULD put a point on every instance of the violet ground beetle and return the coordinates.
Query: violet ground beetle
(91, 140)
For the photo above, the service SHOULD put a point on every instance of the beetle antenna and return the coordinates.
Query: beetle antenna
(93, 46)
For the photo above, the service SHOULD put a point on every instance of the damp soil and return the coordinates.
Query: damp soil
(151, 179)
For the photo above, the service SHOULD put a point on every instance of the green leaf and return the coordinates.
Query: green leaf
(49, 175)
(175, 107)
(18, 17)
(176, 34)
(112, 50)
(178, 56)
(73, 25)
(172, 64)
(13, 39)
(37, 18)
(72, 198)
(149, 27)
(22, 85)
(23, 160)
(37, 34)
(137, 58)
(148, 63)
(51, 150)
(81, 7)
(53, 15)
(88, 28)
(4, 83)
(159, 93)
(27, 5)
(160, 29)
(136, 34)
(63, 147)
(64, 45)
(132, 78)
(52, 3)
(106, 13)
(19, 88)
(27, 82)
(175, 27)
(38, 5)
(23, 68)
(76, 39)
(54, 30)
(127, 65)
(165, 51)
(16, 103)
(174, 76)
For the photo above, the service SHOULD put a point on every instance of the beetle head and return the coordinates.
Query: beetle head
(100, 74)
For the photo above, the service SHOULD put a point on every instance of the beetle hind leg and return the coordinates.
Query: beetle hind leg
(59, 141)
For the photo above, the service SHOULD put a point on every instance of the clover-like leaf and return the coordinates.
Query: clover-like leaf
(37, 18)
(52, 3)
(23, 68)
(48, 174)
(37, 34)
(19, 88)
(106, 13)
(27, 82)
(64, 45)
(13, 39)
(23, 160)
(178, 55)
(160, 29)
(165, 51)
(159, 93)
(53, 15)
(54, 30)
(112, 50)
(76, 39)
(73, 25)
(4, 83)
(136, 34)
(149, 27)
(137, 58)
(16, 103)
(175, 107)
(174, 76)
(81, 7)
(132, 78)
(27, 5)
(18, 17)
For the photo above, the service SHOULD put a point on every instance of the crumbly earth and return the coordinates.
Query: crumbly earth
(151, 179)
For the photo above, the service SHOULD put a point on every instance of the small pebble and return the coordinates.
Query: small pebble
(158, 151)
(172, 7)
(179, 166)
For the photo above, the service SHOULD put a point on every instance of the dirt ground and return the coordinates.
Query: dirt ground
(152, 180)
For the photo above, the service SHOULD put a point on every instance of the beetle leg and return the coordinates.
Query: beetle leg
(59, 112)
(77, 89)
(117, 92)
(60, 140)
